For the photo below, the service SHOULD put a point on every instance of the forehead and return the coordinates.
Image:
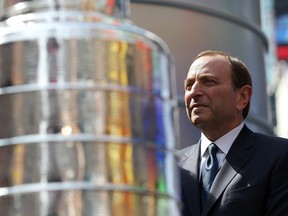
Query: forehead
(214, 65)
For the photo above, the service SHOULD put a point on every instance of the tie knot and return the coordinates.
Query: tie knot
(212, 149)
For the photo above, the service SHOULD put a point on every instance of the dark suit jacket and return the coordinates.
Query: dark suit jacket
(253, 180)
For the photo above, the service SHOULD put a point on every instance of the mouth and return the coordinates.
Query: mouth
(194, 106)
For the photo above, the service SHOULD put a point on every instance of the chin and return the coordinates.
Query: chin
(196, 120)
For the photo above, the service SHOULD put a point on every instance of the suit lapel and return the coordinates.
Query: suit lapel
(190, 162)
(237, 157)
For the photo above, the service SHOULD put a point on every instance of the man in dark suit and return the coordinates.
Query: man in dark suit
(251, 168)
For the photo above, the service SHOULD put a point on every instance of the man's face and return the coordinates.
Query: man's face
(209, 96)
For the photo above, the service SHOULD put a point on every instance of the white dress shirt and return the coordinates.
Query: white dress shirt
(224, 144)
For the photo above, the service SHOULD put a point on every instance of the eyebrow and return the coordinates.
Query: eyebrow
(187, 80)
(202, 76)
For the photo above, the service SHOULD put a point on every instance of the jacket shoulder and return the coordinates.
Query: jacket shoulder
(275, 140)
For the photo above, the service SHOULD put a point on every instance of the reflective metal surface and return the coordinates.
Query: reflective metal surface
(116, 9)
(86, 114)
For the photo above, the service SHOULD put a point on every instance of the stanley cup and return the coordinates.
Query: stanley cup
(86, 107)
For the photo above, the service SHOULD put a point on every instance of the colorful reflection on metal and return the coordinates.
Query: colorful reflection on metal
(86, 114)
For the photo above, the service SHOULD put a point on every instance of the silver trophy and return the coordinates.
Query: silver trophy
(86, 109)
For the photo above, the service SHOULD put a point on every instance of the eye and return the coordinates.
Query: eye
(209, 82)
(188, 85)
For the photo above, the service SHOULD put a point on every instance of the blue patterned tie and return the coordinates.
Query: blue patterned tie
(209, 171)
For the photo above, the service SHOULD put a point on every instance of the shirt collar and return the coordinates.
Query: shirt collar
(224, 143)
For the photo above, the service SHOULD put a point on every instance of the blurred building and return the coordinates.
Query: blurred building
(191, 26)
(281, 90)
(281, 100)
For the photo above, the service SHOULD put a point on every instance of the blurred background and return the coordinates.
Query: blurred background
(87, 97)
(256, 31)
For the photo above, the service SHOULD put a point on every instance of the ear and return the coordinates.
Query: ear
(244, 96)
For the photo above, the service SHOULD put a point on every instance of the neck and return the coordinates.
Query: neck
(215, 133)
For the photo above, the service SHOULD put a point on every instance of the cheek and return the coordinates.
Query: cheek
(187, 98)
(227, 103)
